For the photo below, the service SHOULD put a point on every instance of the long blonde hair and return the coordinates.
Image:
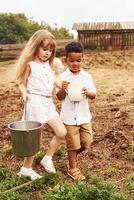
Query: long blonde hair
(31, 48)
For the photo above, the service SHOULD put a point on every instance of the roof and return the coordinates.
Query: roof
(103, 26)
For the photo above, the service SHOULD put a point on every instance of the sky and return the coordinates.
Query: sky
(63, 13)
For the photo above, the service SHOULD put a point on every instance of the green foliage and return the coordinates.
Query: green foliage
(13, 28)
(131, 152)
(130, 186)
(14, 196)
(61, 33)
(38, 158)
(61, 153)
(10, 196)
(97, 190)
(52, 187)
(9, 179)
(111, 172)
(6, 63)
(17, 28)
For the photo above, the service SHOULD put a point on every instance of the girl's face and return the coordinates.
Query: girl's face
(74, 61)
(44, 52)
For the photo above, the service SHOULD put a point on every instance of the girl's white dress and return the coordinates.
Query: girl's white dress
(40, 86)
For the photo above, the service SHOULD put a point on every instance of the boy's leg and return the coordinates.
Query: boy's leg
(26, 169)
(81, 150)
(73, 144)
(59, 138)
(86, 137)
(72, 158)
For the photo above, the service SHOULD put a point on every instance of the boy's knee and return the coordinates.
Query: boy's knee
(86, 145)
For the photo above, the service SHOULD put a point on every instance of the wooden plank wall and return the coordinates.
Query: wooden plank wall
(105, 39)
(12, 51)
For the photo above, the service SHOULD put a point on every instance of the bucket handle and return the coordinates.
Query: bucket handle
(25, 114)
(25, 111)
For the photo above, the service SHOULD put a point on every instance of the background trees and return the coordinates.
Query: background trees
(17, 28)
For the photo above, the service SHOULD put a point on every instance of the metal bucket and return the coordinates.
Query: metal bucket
(25, 137)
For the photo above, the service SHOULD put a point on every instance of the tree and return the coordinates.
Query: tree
(13, 28)
(17, 28)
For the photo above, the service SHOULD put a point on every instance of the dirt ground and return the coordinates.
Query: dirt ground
(112, 152)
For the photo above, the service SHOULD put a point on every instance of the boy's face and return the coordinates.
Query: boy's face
(74, 61)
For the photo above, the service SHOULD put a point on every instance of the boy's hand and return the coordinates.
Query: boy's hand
(61, 94)
(87, 93)
(65, 85)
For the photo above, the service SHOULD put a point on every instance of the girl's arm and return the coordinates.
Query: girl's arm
(58, 83)
(23, 84)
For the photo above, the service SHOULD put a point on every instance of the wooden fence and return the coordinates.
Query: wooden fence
(105, 39)
(12, 51)
(105, 35)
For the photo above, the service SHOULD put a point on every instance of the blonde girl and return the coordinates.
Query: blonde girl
(36, 82)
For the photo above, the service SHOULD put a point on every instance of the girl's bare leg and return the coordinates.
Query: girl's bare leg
(59, 138)
(26, 169)
(28, 161)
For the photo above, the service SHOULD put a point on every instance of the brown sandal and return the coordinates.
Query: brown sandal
(75, 174)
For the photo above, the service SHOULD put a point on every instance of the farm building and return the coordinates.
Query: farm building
(106, 35)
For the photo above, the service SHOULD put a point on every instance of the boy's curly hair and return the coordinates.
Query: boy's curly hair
(74, 47)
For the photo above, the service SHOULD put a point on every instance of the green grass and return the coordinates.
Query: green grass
(54, 187)
(131, 152)
(6, 63)
(111, 172)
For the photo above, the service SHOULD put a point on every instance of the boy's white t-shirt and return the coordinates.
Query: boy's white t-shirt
(76, 113)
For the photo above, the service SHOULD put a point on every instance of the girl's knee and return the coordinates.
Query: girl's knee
(61, 133)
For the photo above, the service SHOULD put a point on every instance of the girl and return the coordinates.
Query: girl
(36, 82)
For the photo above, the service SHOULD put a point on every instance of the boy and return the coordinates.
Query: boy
(76, 115)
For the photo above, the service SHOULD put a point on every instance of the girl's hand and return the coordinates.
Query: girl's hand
(26, 96)
(65, 85)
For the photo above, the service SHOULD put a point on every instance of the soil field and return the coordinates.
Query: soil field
(112, 152)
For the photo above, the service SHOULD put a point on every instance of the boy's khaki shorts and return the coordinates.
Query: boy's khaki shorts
(79, 136)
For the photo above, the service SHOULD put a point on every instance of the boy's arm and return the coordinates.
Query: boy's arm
(88, 94)
(90, 90)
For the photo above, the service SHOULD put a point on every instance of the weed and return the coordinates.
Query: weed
(10, 196)
(111, 172)
(6, 63)
(131, 152)
(61, 153)
(52, 187)
(96, 191)
(130, 185)
(38, 158)
(9, 179)
(7, 152)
